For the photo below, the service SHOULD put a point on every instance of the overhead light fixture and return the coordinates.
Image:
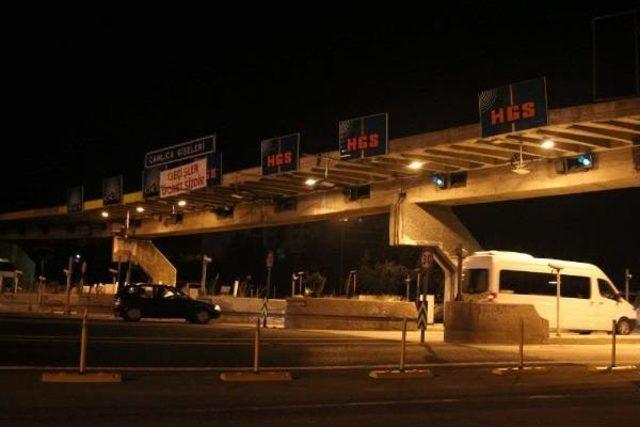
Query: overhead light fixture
(182, 203)
(581, 163)
(104, 214)
(139, 209)
(310, 182)
(415, 165)
(548, 144)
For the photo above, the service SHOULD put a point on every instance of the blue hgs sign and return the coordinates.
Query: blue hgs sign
(363, 136)
(514, 107)
(280, 154)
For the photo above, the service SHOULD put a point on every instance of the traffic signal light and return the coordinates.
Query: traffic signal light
(581, 163)
(440, 181)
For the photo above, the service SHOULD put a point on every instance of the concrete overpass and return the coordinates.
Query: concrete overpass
(609, 130)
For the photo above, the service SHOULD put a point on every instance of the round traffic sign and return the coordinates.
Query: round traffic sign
(269, 260)
(426, 258)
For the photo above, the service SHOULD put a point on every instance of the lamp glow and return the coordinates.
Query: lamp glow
(415, 165)
(310, 182)
(548, 144)
(182, 203)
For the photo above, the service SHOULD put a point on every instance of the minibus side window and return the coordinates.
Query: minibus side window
(606, 291)
(527, 283)
(575, 287)
(475, 280)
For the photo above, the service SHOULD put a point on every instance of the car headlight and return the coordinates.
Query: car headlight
(217, 307)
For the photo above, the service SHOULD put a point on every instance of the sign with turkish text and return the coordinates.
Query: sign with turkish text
(75, 199)
(177, 153)
(280, 154)
(363, 136)
(184, 178)
(112, 190)
(514, 107)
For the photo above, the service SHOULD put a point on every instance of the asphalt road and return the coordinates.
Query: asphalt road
(43, 341)
(567, 396)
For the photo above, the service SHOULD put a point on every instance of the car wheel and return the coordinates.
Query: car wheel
(202, 317)
(623, 327)
(132, 315)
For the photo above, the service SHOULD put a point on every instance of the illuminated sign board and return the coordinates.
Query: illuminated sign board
(280, 154)
(181, 152)
(513, 107)
(363, 137)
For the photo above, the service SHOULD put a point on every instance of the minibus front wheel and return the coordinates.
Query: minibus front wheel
(624, 326)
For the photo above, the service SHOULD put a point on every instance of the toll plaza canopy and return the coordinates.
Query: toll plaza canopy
(324, 185)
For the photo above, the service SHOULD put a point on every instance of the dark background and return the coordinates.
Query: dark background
(88, 92)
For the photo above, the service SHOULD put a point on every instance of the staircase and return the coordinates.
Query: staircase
(146, 255)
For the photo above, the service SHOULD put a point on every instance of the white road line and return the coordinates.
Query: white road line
(291, 368)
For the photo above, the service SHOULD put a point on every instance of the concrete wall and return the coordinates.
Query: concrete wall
(487, 323)
(335, 313)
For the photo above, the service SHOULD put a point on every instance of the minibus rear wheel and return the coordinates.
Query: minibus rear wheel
(623, 326)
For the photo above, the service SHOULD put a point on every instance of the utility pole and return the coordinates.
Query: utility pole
(69, 273)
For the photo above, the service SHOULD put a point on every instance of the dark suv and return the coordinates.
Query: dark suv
(133, 302)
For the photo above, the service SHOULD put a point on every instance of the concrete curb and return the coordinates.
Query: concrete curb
(76, 377)
(398, 374)
(264, 376)
(615, 368)
(520, 371)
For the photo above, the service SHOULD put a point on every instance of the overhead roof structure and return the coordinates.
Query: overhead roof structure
(592, 128)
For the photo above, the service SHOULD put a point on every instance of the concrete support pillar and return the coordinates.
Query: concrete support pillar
(436, 226)
(429, 225)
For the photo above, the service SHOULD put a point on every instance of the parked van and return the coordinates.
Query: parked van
(588, 299)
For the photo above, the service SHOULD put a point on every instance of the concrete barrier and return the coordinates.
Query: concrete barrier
(247, 310)
(489, 323)
(336, 313)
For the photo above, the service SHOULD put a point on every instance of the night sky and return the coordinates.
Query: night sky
(89, 92)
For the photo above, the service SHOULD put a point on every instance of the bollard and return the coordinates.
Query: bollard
(404, 344)
(256, 349)
(521, 364)
(83, 343)
(613, 343)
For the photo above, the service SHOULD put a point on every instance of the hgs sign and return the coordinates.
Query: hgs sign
(280, 154)
(363, 136)
(513, 107)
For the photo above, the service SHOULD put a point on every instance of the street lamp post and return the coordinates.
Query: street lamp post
(557, 270)
(203, 279)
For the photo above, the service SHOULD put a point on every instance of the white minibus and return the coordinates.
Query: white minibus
(588, 300)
